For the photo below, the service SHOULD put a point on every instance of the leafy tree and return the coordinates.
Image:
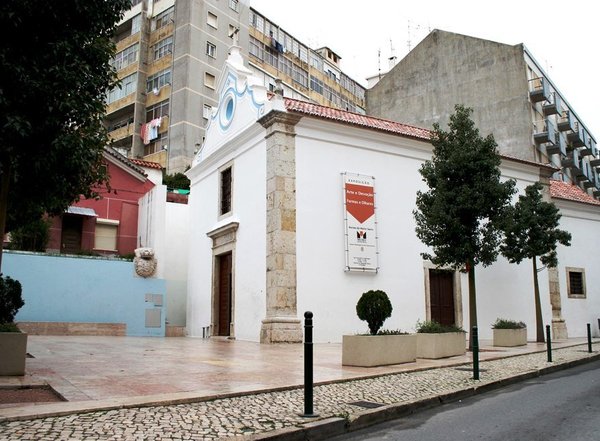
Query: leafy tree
(374, 307)
(459, 216)
(531, 230)
(55, 75)
(32, 236)
(177, 181)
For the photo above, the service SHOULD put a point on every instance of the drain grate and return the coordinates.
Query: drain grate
(366, 404)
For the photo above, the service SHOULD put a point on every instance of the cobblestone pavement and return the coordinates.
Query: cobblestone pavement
(264, 412)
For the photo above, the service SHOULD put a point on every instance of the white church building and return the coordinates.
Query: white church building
(297, 207)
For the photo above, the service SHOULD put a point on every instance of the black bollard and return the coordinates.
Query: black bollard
(475, 346)
(589, 333)
(549, 343)
(308, 366)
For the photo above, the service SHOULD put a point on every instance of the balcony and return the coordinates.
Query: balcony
(566, 121)
(553, 106)
(589, 148)
(577, 136)
(544, 132)
(572, 161)
(558, 146)
(539, 90)
(121, 132)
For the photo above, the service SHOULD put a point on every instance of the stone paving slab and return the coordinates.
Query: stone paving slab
(276, 414)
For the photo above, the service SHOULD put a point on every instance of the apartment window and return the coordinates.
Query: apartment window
(128, 86)
(300, 76)
(256, 48)
(207, 111)
(316, 85)
(164, 18)
(225, 192)
(212, 20)
(235, 5)
(126, 57)
(106, 234)
(136, 24)
(211, 50)
(256, 21)
(158, 80)
(576, 283)
(163, 47)
(158, 110)
(157, 145)
(209, 80)
(316, 61)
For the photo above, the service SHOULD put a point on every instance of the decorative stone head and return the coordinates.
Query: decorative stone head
(144, 262)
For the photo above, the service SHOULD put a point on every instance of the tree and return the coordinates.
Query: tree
(531, 231)
(459, 216)
(55, 75)
(374, 307)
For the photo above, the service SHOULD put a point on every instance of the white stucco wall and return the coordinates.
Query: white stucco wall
(583, 222)
(176, 257)
(249, 266)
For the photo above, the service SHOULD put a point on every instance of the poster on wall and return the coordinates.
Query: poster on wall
(360, 223)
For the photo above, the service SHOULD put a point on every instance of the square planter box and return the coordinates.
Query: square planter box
(13, 347)
(510, 337)
(442, 345)
(378, 350)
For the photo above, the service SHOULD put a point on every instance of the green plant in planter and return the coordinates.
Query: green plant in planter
(10, 303)
(374, 307)
(433, 327)
(507, 324)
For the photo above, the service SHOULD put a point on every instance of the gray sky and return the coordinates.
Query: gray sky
(563, 36)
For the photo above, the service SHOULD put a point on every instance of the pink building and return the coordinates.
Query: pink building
(108, 225)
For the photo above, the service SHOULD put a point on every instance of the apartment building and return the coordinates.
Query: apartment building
(169, 56)
(511, 96)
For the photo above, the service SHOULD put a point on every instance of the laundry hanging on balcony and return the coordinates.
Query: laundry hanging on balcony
(149, 130)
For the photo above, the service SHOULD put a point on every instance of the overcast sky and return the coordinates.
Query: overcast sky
(563, 36)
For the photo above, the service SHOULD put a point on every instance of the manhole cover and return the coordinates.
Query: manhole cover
(469, 369)
(366, 404)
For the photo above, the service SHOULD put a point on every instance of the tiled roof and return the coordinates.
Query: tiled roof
(356, 119)
(570, 192)
(128, 162)
(147, 164)
(550, 167)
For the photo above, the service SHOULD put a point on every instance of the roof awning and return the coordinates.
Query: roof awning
(81, 211)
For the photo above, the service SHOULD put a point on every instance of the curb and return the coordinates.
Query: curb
(329, 427)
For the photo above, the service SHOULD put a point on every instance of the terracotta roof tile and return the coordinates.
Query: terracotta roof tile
(147, 164)
(356, 119)
(570, 192)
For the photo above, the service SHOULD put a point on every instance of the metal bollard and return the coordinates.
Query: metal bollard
(589, 335)
(308, 366)
(549, 343)
(475, 347)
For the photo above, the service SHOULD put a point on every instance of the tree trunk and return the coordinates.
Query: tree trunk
(539, 321)
(5, 171)
(472, 303)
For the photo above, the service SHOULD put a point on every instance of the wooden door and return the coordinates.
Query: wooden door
(441, 292)
(225, 294)
(71, 234)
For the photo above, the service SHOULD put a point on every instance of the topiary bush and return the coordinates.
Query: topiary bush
(508, 324)
(10, 299)
(374, 307)
(433, 327)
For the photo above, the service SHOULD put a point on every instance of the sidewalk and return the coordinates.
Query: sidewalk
(215, 389)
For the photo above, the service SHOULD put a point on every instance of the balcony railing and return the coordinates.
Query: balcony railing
(553, 106)
(589, 147)
(577, 136)
(539, 89)
(544, 132)
(558, 146)
(566, 121)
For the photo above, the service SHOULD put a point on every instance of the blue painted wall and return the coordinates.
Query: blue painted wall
(79, 289)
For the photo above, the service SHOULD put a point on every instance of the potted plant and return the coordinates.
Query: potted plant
(379, 347)
(509, 333)
(435, 340)
(13, 342)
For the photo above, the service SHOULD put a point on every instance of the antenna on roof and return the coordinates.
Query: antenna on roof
(408, 33)
(392, 59)
(379, 63)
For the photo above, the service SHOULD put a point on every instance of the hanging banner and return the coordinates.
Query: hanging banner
(360, 222)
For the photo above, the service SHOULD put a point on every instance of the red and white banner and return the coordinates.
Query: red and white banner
(360, 222)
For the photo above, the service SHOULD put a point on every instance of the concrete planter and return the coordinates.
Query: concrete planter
(13, 347)
(378, 350)
(442, 345)
(510, 337)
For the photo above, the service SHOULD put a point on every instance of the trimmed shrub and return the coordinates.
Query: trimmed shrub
(10, 299)
(433, 327)
(374, 307)
(508, 324)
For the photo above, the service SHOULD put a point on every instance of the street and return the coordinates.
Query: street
(560, 406)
